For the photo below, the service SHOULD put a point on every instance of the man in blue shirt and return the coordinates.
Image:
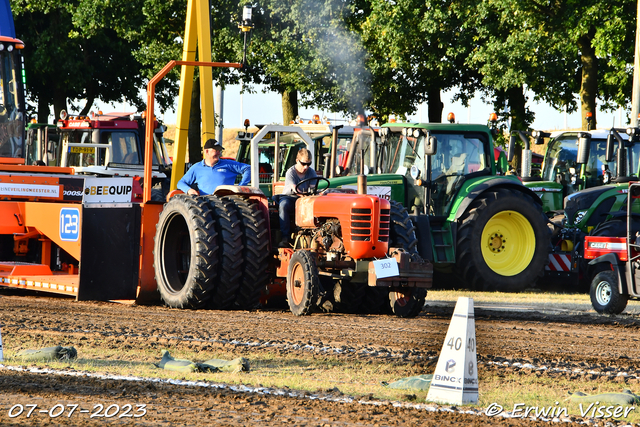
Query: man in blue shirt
(213, 171)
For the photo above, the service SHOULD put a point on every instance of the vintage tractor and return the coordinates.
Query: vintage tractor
(614, 266)
(351, 252)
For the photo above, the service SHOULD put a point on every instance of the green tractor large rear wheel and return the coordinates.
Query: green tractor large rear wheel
(503, 241)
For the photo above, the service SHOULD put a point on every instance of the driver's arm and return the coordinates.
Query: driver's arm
(290, 182)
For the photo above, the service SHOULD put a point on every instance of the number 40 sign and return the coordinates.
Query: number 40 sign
(69, 224)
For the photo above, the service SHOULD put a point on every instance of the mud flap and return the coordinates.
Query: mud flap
(110, 253)
(411, 273)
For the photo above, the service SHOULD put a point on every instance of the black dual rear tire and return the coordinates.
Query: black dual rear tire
(226, 222)
(255, 253)
(185, 255)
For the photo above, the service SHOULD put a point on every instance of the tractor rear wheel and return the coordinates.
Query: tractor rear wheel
(303, 286)
(185, 253)
(349, 296)
(604, 293)
(407, 302)
(403, 232)
(503, 241)
(255, 239)
(227, 225)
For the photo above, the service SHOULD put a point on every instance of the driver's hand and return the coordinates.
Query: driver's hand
(192, 192)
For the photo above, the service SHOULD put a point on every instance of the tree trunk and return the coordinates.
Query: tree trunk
(517, 105)
(435, 105)
(87, 107)
(43, 110)
(518, 108)
(589, 82)
(195, 135)
(289, 106)
(59, 102)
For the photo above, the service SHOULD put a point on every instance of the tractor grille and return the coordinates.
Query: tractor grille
(361, 224)
(385, 223)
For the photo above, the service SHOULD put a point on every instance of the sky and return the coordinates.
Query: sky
(266, 108)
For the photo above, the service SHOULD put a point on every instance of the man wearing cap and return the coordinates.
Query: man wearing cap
(213, 171)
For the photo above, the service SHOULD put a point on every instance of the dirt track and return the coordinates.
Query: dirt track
(572, 347)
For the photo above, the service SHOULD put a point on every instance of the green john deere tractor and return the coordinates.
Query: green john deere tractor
(596, 211)
(471, 218)
(562, 173)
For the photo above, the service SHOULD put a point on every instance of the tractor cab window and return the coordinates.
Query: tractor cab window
(561, 157)
(402, 153)
(458, 155)
(79, 155)
(124, 148)
(12, 123)
(593, 168)
(633, 161)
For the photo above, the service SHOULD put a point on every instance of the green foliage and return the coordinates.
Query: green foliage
(388, 56)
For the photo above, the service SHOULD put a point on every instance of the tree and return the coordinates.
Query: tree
(417, 49)
(553, 49)
(62, 65)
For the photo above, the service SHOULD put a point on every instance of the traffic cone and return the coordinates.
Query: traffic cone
(455, 380)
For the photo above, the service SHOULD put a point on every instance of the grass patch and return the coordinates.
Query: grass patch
(553, 301)
(318, 374)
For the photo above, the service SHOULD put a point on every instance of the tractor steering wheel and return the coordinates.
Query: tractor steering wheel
(313, 189)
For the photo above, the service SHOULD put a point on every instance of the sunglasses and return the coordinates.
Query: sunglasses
(305, 163)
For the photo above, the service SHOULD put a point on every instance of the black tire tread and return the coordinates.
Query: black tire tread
(618, 301)
(468, 265)
(201, 279)
(227, 224)
(255, 239)
(312, 283)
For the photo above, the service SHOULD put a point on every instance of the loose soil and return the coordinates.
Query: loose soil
(571, 346)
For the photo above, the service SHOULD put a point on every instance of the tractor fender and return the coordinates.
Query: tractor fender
(229, 190)
(612, 259)
(494, 183)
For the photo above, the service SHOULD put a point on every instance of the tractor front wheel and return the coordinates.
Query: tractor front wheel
(303, 284)
(605, 296)
(503, 241)
(185, 253)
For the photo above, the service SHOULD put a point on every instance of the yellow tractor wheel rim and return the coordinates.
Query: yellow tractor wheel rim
(508, 243)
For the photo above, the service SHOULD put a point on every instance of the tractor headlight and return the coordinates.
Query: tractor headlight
(579, 216)
(415, 172)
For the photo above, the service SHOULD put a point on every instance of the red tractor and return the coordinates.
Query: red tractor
(615, 261)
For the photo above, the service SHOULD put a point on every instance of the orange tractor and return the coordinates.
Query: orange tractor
(347, 254)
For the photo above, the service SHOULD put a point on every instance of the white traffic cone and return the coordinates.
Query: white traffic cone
(455, 380)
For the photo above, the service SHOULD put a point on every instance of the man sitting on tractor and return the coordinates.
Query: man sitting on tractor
(213, 171)
(295, 174)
